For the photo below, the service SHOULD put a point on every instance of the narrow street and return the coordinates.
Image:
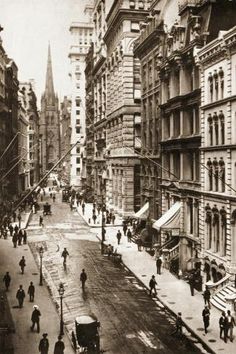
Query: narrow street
(131, 322)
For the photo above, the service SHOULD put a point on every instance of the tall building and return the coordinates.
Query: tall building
(65, 138)
(123, 111)
(49, 122)
(217, 62)
(99, 77)
(81, 38)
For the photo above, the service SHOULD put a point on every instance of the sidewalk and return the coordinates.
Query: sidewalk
(87, 216)
(24, 340)
(172, 292)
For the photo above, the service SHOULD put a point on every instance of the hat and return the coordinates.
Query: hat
(45, 334)
(35, 307)
(59, 337)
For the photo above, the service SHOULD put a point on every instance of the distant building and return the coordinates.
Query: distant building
(81, 38)
(65, 139)
(49, 122)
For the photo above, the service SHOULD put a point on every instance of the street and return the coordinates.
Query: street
(131, 322)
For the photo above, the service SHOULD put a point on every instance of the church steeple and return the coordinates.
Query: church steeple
(49, 88)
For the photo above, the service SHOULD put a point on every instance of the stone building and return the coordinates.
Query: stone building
(217, 62)
(89, 120)
(49, 122)
(65, 138)
(101, 9)
(123, 118)
(81, 38)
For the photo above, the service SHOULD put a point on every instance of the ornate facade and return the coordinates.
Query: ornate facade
(49, 122)
(217, 62)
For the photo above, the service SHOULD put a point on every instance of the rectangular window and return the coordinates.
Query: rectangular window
(77, 112)
(134, 27)
(78, 150)
(77, 121)
(78, 160)
(77, 170)
(77, 130)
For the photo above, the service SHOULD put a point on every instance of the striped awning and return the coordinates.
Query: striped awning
(143, 212)
(169, 220)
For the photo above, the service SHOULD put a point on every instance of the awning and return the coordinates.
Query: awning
(143, 212)
(169, 220)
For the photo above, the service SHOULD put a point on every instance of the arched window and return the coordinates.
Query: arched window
(222, 127)
(208, 221)
(210, 81)
(222, 174)
(216, 82)
(223, 215)
(216, 174)
(210, 174)
(216, 128)
(210, 125)
(221, 76)
(216, 228)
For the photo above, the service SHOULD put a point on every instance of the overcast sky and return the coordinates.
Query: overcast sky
(28, 27)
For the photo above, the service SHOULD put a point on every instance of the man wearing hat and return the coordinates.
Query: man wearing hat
(35, 318)
(44, 344)
(59, 346)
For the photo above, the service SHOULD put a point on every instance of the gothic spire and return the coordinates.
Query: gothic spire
(49, 89)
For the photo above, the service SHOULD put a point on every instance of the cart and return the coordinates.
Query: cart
(47, 209)
(87, 336)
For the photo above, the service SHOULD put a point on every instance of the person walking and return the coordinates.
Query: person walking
(83, 278)
(113, 218)
(14, 239)
(206, 318)
(7, 280)
(178, 325)
(230, 323)
(35, 318)
(22, 264)
(64, 254)
(125, 228)
(158, 265)
(20, 295)
(94, 218)
(24, 237)
(44, 344)
(192, 283)
(222, 324)
(10, 227)
(118, 236)
(20, 235)
(152, 285)
(19, 219)
(31, 291)
(207, 296)
(40, 220)
(83, 208)
(129, 235)
(59, 346)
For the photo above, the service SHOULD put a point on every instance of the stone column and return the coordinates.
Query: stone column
(183, 251)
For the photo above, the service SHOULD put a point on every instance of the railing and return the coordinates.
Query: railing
(173, 252)
(215, 287)
(184, 3)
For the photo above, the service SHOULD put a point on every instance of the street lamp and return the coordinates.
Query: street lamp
(41, 250)
(103, 230)
(61, 291)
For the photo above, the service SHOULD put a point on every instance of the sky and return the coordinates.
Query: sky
(29, 25)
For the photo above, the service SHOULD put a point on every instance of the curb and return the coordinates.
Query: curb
(97, 225)
(204, 344)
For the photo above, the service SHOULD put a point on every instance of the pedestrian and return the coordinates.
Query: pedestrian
(83, 278)
(124, 227)
(16, 228)
(94, 218)
(118, 236)
(206, 318)
(14, 216)
(2, 307)
(22, 264)
(24, 237)
(83, 207)
(207, 296)
(152, 285)
(158, 265)
(230, 323)
(20, 295)
(192, 283)
(31, 291)
(54, 197)
(20, 235)
(44, 344)
(113, 218)
(59, 346)
(222, 324)
(40, 220)
(14, 239)
(7, 280)
(139, 244)
(19, 219)
(109, 250)
(179, 325)
(10, 227)
(35, 318)
(129, 235)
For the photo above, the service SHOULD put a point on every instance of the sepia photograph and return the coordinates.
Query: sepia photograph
(117, 176)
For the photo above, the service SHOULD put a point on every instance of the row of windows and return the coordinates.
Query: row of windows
(216, 175)
(216, 124)
(216, 85)
(216, 229)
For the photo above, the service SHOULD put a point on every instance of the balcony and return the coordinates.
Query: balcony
(183, 4)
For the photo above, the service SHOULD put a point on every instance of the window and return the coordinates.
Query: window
(210, 129)
(77, 130)
(77, 121)
(78, 160)
(78, 170)
(77, 112)
(134, 27)
(208, 221)
(78, 150)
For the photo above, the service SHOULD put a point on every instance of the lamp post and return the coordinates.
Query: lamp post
(61, 291)
(103, 230)
(41, 250)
